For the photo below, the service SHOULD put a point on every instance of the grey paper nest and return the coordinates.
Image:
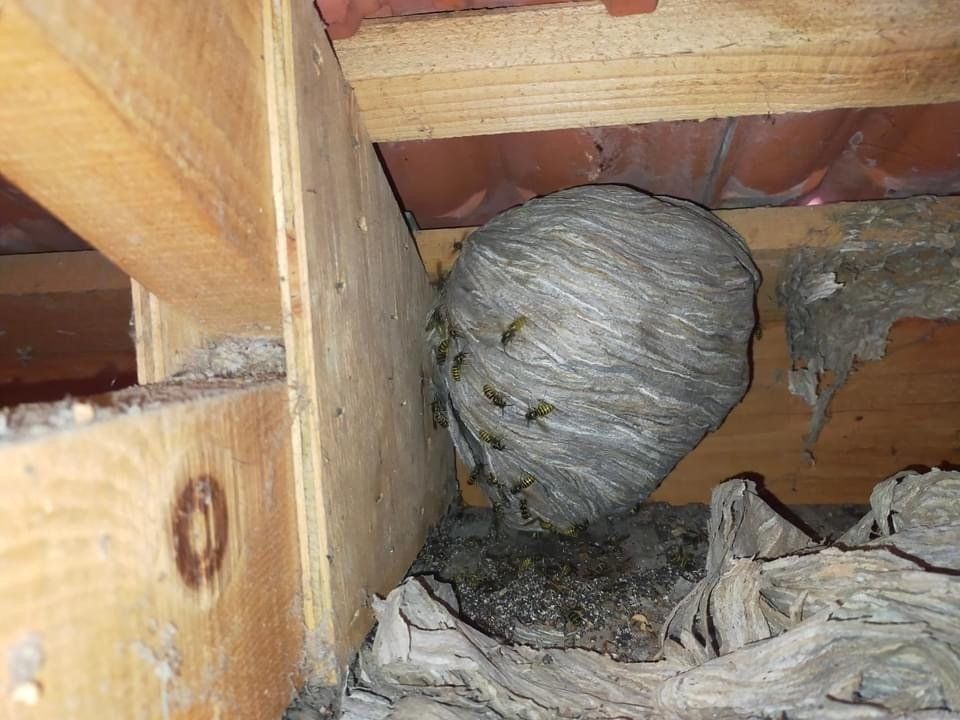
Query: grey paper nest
(598, 334)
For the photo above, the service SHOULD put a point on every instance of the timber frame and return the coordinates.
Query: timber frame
(201, 548)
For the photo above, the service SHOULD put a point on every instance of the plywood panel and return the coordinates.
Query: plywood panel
(372, 472)
(148, 557)
(568, 66)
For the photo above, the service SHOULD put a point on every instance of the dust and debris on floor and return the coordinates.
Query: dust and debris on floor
(235, 357)
(781, 626)
(608, 590)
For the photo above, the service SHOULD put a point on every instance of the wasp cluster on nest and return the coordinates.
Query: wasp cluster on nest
(583, 343)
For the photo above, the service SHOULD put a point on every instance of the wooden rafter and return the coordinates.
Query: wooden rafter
(567, 66)
(142, 126)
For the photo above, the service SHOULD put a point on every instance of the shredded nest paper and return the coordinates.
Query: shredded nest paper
(779, 628)
(841, 302)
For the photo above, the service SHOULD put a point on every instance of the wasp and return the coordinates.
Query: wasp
(540, 410)
(442, 351)
(437, 321)
(494, 441)
(525, 481)
(574, 616)
(524, 509)
(476, 474)
(512, 330)
(547, 525)
(439, 413)
(458, 360)
(574, 530)
(501, 493)
(495, 396)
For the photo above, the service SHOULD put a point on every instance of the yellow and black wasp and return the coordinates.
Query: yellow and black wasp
(540, 410)
(439, 413)
(524, 509)
(575, 529)
(476, 475)
(512, 329)
(494, 441)
(456, 370)
(495, 396)
(501, 492)
(441, 350)
(525, 481)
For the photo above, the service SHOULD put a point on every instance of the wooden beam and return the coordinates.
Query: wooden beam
(64, 326)
(372, 472)
(142, 126)
(59, 272)
(148, 556)
(898, 412)
(770, 231)
(903, 410)
(568, 66)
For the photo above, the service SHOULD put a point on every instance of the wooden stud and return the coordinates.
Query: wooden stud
(903, 410)
(573, 65)
(142, 126)
(164, 337)
(148, 556)
(372, 473)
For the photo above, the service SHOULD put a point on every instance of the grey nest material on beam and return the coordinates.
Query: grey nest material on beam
(589, 339)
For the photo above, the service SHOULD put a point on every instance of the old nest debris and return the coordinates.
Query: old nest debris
(868, 627)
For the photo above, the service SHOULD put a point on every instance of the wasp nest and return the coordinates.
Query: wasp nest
(584, 343)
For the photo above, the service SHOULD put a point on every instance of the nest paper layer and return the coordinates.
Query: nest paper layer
(624, 318)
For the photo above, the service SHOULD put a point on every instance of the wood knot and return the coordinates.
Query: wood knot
(200, 524)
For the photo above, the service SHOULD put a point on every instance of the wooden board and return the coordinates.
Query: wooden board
(568, 66)
(148, 558)
(142, 126)
(59, 272)
(164, 337)
(372, 473)
(64, 326)
(770, 231)
(901, 411)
